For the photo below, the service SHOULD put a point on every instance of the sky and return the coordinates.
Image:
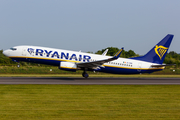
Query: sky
(89, 25)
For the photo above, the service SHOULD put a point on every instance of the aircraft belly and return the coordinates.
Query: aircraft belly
(127, 70)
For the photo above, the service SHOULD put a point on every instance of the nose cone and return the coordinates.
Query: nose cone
(6, 53)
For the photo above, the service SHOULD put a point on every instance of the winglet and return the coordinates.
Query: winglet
(116, 56)
(105, 52)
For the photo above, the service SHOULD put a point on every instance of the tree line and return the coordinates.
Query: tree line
(171, 57)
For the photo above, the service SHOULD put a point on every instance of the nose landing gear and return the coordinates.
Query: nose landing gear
(18, 65)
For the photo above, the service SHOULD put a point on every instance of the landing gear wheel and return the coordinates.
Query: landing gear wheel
(85, 75)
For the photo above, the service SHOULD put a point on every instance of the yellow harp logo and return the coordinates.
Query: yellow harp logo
(160, 50)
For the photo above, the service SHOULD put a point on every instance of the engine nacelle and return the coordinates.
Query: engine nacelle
(68, 66)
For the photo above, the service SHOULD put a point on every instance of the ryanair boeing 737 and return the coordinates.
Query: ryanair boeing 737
(72, 60)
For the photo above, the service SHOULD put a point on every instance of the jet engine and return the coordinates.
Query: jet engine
(68, 66)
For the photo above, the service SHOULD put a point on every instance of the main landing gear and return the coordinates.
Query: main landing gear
(85, 74)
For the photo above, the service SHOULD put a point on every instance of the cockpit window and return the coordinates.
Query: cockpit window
(13, 49)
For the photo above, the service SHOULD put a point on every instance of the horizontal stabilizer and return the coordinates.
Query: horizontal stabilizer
(163, 65)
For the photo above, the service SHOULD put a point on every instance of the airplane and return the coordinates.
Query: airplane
(73, 60)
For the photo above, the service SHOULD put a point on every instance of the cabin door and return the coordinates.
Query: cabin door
(24, 52)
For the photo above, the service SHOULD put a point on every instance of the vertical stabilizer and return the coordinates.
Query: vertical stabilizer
(158, 52)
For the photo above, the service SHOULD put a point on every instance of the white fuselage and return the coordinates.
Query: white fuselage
(53, 56)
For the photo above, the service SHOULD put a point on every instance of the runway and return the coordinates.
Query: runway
(89, 81)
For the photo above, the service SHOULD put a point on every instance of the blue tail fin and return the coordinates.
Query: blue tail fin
(158, 52)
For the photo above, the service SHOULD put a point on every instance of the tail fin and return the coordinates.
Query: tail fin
(158, 52)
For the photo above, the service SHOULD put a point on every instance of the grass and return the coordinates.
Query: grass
(89, 102)
(86, 102)
(32, 70)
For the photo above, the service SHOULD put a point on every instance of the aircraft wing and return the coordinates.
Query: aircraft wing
(95, 64)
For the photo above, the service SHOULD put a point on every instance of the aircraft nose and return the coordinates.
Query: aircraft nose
(6, 52)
